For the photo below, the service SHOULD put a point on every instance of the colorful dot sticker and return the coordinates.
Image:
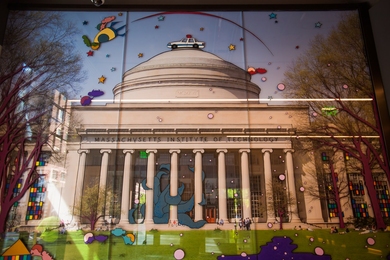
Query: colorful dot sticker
(179, 254)
(281, 87)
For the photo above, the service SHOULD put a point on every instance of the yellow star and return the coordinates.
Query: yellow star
(232, 47)
(102, 79)
(140, 55)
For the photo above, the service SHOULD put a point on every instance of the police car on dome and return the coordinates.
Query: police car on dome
(188, 42)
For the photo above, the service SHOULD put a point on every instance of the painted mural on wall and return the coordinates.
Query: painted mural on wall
(272, 47)
(280, 248)
(162, 200)
(106, 33)
(19, 251)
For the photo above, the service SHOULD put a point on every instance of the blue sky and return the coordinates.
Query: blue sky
(287, 36)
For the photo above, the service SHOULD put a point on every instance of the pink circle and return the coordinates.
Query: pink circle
(243, 254)
(370, 241)
(179, 254)
(281, 87)
(319, 251)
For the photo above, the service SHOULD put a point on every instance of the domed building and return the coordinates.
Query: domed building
(186, 73)
(186, 143)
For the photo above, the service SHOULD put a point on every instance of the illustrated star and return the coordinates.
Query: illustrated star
(161, 18)
(201, 29)
(107, 55)
(241, 39)
(232, 47)
(102, 79)
(156, 27)
(90, 53)
(85, 22)
(276, 21)
(113, 69)
(140, 55)
(272, 16)
(318, 25)
(120, 14)
(297, 47)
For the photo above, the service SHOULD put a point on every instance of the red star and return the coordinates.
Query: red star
(90, 53)
(297, 47)
(156, 27)
(241, 39)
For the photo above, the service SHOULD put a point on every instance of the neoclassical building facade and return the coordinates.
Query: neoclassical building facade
(186, 141)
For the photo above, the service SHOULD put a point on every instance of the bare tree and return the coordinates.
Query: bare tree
(37, 58)
(326, 184)
(335, 68)
(95, 203)
(281, 202)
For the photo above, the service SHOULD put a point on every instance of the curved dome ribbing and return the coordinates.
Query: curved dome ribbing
(186, 73)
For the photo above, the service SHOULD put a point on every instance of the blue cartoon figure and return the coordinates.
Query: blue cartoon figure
(162, 200)
(105, 33)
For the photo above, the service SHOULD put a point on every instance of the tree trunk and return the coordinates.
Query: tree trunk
(281, 219)
(369, 182)
(5, 208)
(93, 225)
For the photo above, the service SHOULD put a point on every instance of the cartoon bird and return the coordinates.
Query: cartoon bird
(105, 33)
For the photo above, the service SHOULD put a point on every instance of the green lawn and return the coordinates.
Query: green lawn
(208, 244)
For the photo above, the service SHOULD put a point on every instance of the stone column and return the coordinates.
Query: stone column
(150, 174)
(80, 172)
(198, 184)
(245, 184)
(174, 183)
(126, 187)
(103, 176)
(291, 186)
(80, 177)
(104, 167)
(222, 198)
(268, 182)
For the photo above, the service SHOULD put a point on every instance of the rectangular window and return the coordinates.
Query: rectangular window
(233, 185)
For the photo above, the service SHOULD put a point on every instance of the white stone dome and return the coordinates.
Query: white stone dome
(186, 73)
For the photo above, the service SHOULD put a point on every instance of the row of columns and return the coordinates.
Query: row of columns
(198, 196)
